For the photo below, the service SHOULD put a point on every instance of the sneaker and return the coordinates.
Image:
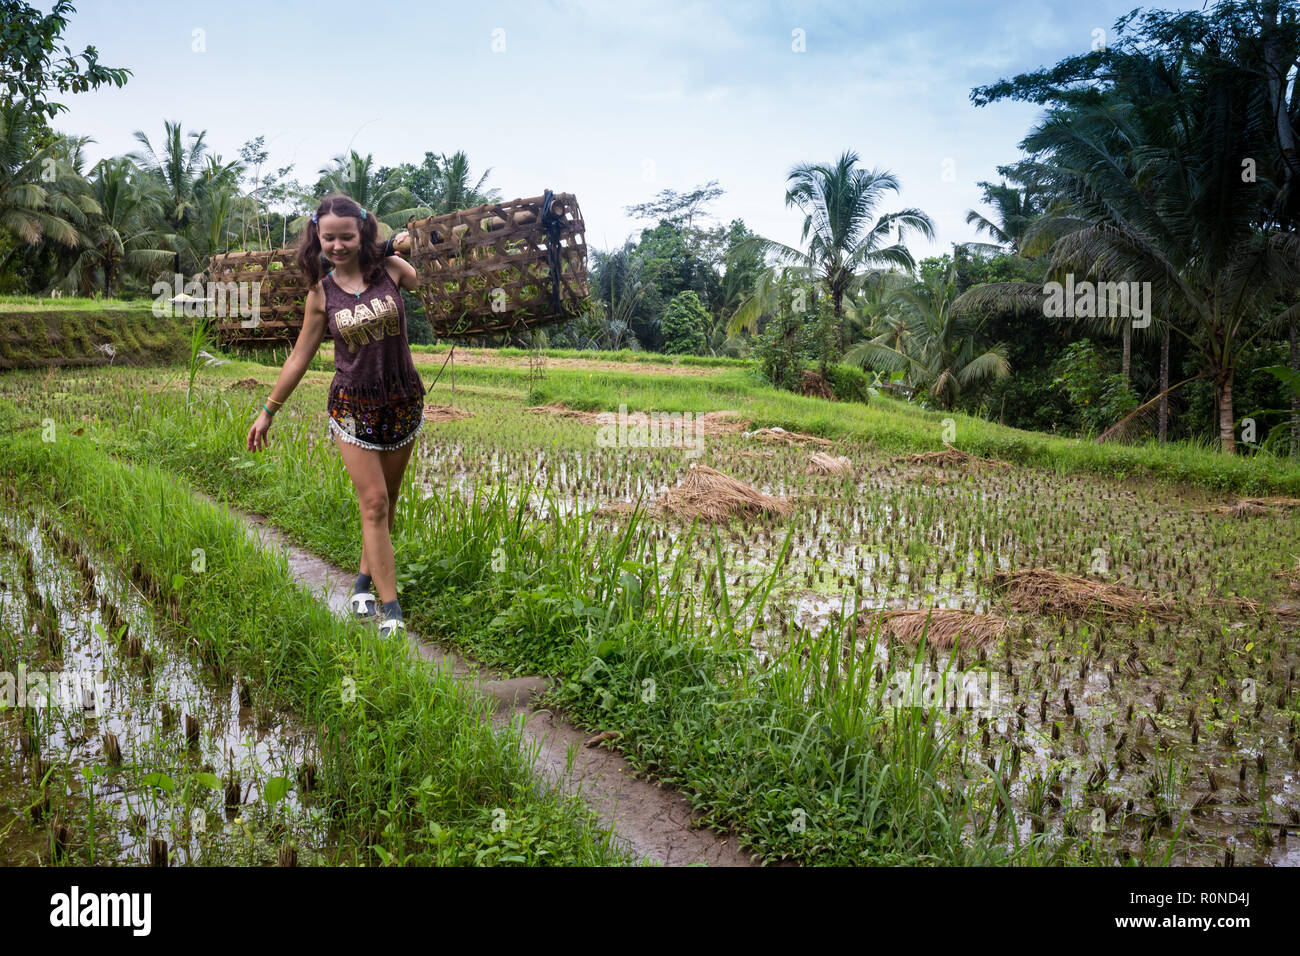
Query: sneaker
(392, 627)
(364, 606)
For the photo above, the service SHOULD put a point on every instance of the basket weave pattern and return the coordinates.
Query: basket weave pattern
(483, 270)
(283, 293)
(486, 269)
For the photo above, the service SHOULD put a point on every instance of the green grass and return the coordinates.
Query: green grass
(893, 425)
(622, 355)
(34, 303)
(41, 337)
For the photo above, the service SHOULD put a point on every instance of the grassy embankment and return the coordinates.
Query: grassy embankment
(40, 333)
(889, 424)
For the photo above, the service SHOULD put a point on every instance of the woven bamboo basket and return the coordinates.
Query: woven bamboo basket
(489, 269)
(482, 271)
(282, 295)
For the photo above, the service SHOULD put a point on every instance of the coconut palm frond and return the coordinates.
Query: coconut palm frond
(1141, 416)
(991, 366)
(1018, 297)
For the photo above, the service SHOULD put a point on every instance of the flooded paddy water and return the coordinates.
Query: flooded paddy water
(115, 747)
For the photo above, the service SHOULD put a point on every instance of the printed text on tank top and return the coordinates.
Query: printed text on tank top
(366, 323)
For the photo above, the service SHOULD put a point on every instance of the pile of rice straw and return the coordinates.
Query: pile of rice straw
(1050, 592)
(1246, 507)
(949, 456)
(779, 436)
(823, 464)
(711, 495)
(941, 627)
(444, 413)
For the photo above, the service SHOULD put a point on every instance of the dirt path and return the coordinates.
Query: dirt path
(649, 821)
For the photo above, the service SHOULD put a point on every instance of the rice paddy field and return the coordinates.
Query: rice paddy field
(849, 633)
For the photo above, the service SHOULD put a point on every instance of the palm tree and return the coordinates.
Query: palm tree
(618, 289)
(192, 180)
(1013, 208)
(1150, 189)
(874, 309)
(716, 339)
(936, 346)
(177, 167)
(844, 236)
(357, 178)
(453, 189)
(41, 193)
(220, 219)
(124, 237)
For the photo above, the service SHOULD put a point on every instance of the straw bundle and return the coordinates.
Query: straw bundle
(710, 423)
(941, 627)
(588, 418)
(949, 456)
(823, 464)
(779, 436)
(1247, 507)
(1050, 592)
(721, 422)
(816, 386)
(713, 496)
(444, 413)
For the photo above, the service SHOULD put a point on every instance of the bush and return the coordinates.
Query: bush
(1100, 399)
(683, 325)
(418, 330)
(778, 352)
(849, 384)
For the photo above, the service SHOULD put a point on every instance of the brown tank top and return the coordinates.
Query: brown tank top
(372, 355)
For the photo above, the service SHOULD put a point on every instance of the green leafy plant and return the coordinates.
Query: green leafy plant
(200, 357)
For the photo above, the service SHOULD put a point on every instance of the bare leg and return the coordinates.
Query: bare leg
(372, 495)
(393, 464)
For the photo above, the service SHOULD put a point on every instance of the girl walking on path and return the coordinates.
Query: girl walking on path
(376, 400)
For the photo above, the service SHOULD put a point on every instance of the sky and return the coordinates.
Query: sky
(610, 101)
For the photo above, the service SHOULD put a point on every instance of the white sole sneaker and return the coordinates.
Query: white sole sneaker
(392, 626)
(364, 606)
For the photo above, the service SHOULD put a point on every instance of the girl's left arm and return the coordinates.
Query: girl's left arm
(402, 272)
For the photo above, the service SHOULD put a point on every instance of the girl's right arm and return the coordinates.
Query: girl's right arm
(314, 326)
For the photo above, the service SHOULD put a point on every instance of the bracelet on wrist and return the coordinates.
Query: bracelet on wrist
(267, 410)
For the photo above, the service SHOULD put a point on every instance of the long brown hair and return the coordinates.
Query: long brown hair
(370, 255)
